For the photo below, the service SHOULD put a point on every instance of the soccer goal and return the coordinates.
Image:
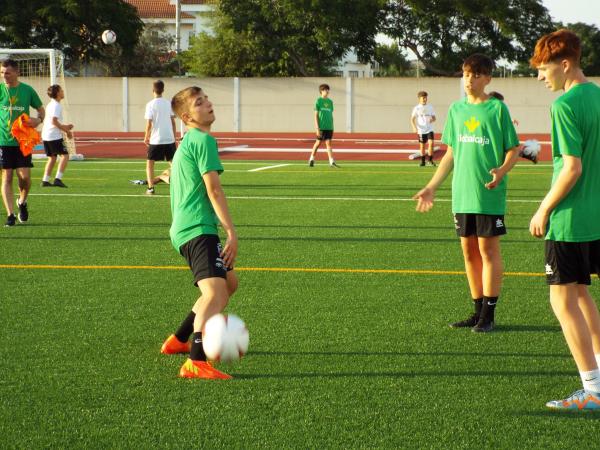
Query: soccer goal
(41, 68)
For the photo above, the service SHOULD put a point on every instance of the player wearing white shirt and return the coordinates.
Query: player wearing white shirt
(421, 119)
(160, 132)
(52, 136)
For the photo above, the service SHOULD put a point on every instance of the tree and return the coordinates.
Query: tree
(442, 33)
(286, 37)
(392, 62)
(590, 43)
(72, 26)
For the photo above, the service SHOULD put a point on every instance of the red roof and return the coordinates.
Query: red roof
(161, 9)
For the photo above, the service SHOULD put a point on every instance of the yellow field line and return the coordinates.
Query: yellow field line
(265, 269)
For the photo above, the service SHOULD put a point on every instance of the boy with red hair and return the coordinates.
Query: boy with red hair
(568, 217)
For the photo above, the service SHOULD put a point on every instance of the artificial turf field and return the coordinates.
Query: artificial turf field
(346, 291)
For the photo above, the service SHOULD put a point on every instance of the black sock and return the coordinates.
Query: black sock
(197, 351)
(186, 328)
(488, 308)
(423, 159)
(430, 158)
(478, 303)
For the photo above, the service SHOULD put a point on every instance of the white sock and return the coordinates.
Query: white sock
(312, 158)
(59, 175)
(591, 380)
(46, 178)
(331, 160)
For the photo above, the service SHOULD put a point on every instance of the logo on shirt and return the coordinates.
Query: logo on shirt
(472, 124)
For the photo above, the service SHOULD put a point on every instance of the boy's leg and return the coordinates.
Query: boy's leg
(150, 173)
(311, 160)
(592, 317)
(48, 170)
(24, 178)
(7, 191)
(430, 141)
(329, 148)
(422, 150)
(62, 166)
(473, 268)
(491, 276)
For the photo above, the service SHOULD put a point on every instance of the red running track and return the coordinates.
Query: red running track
(281, 146)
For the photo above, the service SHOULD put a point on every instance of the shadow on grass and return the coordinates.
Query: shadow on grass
(414, 354)
(529, 328)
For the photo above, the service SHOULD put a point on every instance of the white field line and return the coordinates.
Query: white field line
(250, 197)
(307, 150)
(258, 169)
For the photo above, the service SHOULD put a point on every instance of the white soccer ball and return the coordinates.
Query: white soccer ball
(225, 338)
(531, 147)
(109, 37)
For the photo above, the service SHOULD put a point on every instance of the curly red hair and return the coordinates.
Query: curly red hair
(561, 44)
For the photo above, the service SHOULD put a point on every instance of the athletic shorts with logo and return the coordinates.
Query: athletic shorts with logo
(480, 225)
(12, 158)
(54, 148)
(203, 255)
(161, 152)
(572, 262)
(325, 135)
(423, 138)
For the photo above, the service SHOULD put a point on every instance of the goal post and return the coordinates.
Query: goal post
(41, 68)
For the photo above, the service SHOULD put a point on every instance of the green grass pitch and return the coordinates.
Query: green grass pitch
(356, 359)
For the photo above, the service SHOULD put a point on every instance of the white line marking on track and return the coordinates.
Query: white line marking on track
(258, 169)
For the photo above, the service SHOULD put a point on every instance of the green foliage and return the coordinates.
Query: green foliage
(75, 27)
(590, 42)
(285, 38)
(392, 62)
(443, 33)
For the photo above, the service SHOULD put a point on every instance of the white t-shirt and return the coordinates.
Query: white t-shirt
(159, 112)
(49, 131)
(424, 115)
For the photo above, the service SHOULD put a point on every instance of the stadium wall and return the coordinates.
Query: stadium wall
(365, 105)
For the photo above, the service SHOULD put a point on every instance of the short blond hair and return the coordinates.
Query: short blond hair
(179, 102)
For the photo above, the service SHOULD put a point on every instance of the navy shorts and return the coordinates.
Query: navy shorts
(12, 158)
(161, 152)
(480, 225)
(203, 255)
(423, 138)
(572, 262)
(54, 148)
(325, 135)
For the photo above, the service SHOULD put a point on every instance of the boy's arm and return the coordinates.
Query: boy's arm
(412, 122)
(66, 128)
(35, 122)
(426, 195)
(317, 121)
(497, 173)
(147, 132)
(219, 203)
(565, 181)
(174, 128)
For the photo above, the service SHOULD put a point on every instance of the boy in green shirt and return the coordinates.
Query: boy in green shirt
(323, 125)
(15, 99)
(569, 216)
(198, 205)
(482, 148)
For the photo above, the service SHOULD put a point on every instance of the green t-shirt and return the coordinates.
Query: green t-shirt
(14, 102)
(479, 134)
(192, 212)
(324, 106)
(576, 132)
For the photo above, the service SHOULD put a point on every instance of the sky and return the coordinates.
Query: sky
(569, 11)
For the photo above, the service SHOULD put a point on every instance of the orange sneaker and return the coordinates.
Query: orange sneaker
(201, 369)
(173, 345)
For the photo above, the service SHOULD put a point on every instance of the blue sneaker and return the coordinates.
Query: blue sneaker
(578, 401)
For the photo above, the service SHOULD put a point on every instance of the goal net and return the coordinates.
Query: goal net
(41, 68)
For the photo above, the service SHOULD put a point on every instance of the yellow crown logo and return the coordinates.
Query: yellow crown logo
(472, 124)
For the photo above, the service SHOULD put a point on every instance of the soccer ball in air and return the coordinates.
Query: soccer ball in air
(531, 148)
(225, 338)
(109, 37)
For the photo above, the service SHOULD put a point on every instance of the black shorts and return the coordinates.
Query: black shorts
(54, 148)
(480, 225)
(423, 138)
(325, 135)
(203, 255)
(572, 262)
(161, 152)
(12, 158)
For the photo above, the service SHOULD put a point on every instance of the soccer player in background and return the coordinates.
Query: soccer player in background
(421, 119)
(198, 204)
(482, 148)
(52, 136)
(160, 132)
(15, 99)
(323, 125)
(569, 216)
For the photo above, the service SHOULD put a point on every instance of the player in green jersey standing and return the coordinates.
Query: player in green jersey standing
(323, 125)
(569, 216)
(482, 148)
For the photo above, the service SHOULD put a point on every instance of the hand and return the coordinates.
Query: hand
(146, 140)
(496, 178)
(69, 127)
(319, 134)
(69, 134)
(33, 123)
(424, 199)
(229, 252)
(537, 226)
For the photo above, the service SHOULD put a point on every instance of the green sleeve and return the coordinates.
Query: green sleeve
(448, 135)
(566, 137)
(208, 155)
(35, 99)
(510, 137)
